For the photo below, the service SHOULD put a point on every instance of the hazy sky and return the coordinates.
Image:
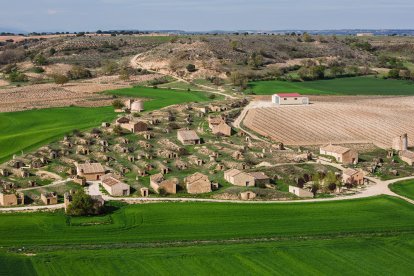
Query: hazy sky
(90, 15)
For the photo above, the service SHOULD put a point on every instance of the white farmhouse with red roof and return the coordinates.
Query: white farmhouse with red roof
(290, 99)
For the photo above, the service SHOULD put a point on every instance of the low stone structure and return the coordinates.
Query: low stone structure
(407, 156)
(260, 179)
(248, 195)
(114, 186)
(353, 177)
(90, 171)
(188, 137)
(11, 198)
(49, 198)
(341, 154)
(198, 183)
(239, 178)
(158, 184)
(300, 192)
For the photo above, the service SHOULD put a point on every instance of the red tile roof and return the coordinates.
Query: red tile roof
(287, 95)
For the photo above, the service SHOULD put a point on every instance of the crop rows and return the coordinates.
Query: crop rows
(361, 121)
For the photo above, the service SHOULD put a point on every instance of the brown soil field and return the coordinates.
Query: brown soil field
(338, 120)
(82, 93)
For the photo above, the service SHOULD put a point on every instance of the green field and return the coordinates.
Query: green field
(366, 236)
(26, 130)
(160, 97)
(404, 188)
(342, 86)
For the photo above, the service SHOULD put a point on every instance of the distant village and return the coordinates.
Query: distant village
(190, 150)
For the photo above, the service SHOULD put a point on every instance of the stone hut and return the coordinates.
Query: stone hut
(49, 198)
(114, 186)
(400, 143)
(300, 192)
(144, 192)
(239, 178)
(198, 183)
(188, 137)
(90, 171)
(248, 195)
(353, 177)
(341, 154)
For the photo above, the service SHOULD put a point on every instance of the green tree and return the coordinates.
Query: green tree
(191, 68)
(394, 74)
(78, 72)
(40, 59)
(82, 205)
(234, 44)
(255, 60)
(307, 37)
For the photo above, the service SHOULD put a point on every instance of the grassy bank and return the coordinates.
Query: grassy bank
(404, 188)
(343, 86)
(357, 236)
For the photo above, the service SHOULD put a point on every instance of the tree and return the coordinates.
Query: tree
(83, 205)
(255, 60)
(191, 68)
(394, 74)
(16, 76)
(118, 104)
(124, 74)
(238, 80)
(52, 51)
(78, 72)
(307, 37)
(60, 79)
(40, 59)
(318, 72)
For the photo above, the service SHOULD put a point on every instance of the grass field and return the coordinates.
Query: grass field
(25, 130)
(366, 236)
(343, 86)
(404, 188)
(160, 97)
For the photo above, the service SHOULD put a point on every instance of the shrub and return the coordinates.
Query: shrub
(40, 59)
(60, 79)
(38, 70)
(78, 72)
(118, 104)
(191, 68)
(16, 76)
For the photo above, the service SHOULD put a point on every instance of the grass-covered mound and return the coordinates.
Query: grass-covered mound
(404, 188)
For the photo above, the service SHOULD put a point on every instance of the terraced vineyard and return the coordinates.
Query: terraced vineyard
(360, 120)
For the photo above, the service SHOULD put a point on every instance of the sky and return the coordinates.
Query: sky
(203, 15)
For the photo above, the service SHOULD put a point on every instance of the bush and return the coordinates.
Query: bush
(38, 70)
(191, 68)
(40, 59)
(118, 104)
(60, 79)
(16, 76)
(78, 72)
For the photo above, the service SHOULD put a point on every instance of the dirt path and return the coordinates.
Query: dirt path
(53, 184)
(135, 64)
(237, 123)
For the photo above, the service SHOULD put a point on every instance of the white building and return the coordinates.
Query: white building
(289, 99)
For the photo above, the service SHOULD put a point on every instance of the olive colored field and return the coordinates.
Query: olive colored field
(365, 236)
(342, 86)
(26, 130)
(404, 188)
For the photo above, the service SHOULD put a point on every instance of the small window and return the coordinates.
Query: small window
(285, 99)
(296, 99)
